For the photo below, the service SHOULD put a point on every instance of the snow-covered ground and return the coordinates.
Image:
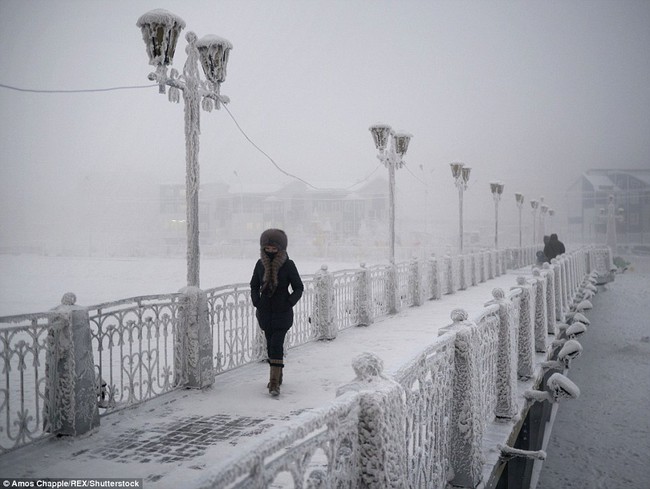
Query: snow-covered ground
(34, 283)
(602, 440)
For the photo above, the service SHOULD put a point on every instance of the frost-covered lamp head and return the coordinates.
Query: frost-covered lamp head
(465, 173)
(214, 51)
(402, 140)
(160, 30)
(534, 204)
(497, 189)
(519, 198)
(543, 208)
(456, 169)
(380, 134)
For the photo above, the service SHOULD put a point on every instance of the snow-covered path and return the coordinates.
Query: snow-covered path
(602, 440)
(174, 439)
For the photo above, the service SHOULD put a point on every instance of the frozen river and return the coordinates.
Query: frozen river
(33, 283)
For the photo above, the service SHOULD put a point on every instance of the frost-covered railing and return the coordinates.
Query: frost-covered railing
(233, 326)
(425, 424)
(427, 381)
(320, 445)
(26, 342)
(133, 346)
(140, 348)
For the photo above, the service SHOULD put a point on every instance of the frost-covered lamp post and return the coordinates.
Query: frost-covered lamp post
(534, 204)
(392, 158)
(519, 198)
(543, 209)
(551, 213)
(461, 173)
(497, 189)
(160, 31)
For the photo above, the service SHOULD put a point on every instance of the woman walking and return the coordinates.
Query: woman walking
(274, 273)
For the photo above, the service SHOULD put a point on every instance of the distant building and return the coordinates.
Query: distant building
(238, 214)
(588, 199)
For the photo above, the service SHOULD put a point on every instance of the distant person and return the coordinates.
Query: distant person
(541, 257)
(273, 274)
(554, 247)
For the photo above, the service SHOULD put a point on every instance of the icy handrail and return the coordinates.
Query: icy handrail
(293, 445)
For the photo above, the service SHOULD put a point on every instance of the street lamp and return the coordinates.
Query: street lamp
(551, 213)
(543, 209)
(497, 190)
(519, 197)
(160, 31)
(392, 158)
(534, 204)
(460, 172)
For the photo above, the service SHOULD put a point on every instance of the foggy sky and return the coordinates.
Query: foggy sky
(530, 93)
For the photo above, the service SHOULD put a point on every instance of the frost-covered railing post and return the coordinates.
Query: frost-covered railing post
(324, 306)
(541, 310)
(382, 441)
(194, 367)
(507, 355)
(434, 278)
(461, 271)
(557, 276)
(492, 264)
(526, 342)
(566, 293)
(392, 289)
(70, 391)
(551, 309)
(484, 265)
(363, 294)
(415, 282)
(450, 275)
(473, 398)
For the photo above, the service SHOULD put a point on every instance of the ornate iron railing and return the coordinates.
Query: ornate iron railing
(26, 342)
(134, 348)
(236, 338)
(484, 347)
(345, 298)
(427, 380)
(379, 284)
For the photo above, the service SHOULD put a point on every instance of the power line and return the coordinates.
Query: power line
(280, 169)
(83, 90)
(414, 175)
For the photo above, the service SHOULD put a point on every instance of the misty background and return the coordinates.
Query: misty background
(529, 93)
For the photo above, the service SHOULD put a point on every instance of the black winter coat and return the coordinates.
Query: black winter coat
(276, 311)
(554, 247)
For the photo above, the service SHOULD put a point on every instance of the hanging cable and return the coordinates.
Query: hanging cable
(280, 169)
(85, 90)
(415, 176)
